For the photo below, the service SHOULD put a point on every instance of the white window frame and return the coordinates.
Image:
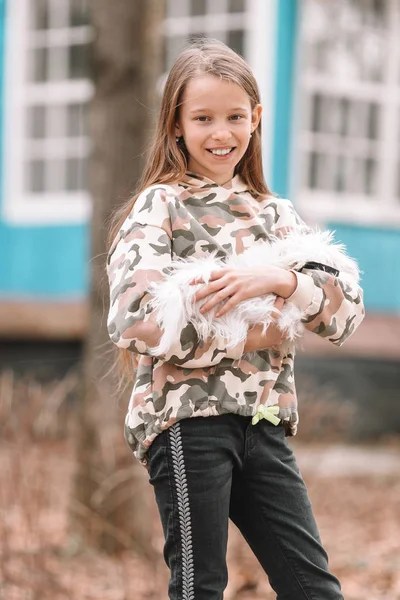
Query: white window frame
(383, 208)
(258, 22)
(18, 206)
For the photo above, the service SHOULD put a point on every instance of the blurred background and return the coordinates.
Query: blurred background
(80, 81)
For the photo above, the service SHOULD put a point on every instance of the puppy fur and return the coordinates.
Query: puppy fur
(172, 297)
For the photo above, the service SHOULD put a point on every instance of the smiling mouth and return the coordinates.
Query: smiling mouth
(221, 151)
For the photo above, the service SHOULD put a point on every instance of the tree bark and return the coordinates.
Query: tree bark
(107, 498)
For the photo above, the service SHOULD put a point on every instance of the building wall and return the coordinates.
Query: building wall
(376, 248)
(48, 264)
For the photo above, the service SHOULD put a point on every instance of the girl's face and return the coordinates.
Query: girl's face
(216, 120)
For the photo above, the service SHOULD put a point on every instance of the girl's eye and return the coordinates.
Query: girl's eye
(236, 117)
(201, 119)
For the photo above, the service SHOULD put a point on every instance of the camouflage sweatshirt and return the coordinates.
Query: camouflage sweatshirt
(199, 379)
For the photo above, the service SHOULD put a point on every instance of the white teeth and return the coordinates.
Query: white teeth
(221, 152)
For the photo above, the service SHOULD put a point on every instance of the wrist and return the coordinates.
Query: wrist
(287, 284)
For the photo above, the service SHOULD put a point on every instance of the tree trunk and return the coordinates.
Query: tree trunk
(107, 505)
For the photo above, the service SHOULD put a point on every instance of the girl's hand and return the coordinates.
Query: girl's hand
(236, 285)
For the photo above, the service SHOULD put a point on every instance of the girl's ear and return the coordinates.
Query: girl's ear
(256, 116)
(178, 131)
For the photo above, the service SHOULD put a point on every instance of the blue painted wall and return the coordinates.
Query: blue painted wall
(286, 36)
(43, 262)
(377, 251)
(38, 262)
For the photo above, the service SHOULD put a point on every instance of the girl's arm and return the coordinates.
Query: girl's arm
(333, 308)
(139, 255)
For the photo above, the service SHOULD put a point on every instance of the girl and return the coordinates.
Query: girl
(203, 191)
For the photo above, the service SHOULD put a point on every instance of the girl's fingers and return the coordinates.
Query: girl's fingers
(229, 304)
(213, 276)
(278, 305)
(279, 302)
(206, 291)
(218, 274)
(210, 288)
(217, 298)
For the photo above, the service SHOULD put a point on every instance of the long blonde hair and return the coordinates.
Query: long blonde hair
(167, 160)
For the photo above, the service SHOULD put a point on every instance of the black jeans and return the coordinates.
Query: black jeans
(206, 470)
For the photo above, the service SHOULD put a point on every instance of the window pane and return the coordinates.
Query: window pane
(57, 121)
(36, 122)
(77, 120)
(344, 109)
(327, 115)
(39, 58)
(176, 9)
(373, 121)
(237, 6)
(198, 7)
(312, 170)
(76, 176)
(340, 116)
(78, 13)
(57, 67)
(78, 61)
(357, 176)
(39, 14)
(217, 7)
(85, 174)
(316, 113)
(235, 41)
(322, 170)
(55, 176)
(341, 174)
(370, 188)
(35, 176)
(358, 119)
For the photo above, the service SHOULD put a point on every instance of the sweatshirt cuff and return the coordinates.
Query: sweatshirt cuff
(303, 295)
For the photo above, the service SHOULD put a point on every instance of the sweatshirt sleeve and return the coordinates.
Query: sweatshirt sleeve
(333, 308)
(140, 255)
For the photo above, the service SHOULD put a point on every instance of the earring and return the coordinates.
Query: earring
(179, 139)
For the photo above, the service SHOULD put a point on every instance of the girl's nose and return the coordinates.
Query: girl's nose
(221, 135)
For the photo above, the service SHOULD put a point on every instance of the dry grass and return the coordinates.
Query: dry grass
(39, 559)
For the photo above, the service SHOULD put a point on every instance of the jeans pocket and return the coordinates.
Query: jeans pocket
(157, 456)
(272, 429)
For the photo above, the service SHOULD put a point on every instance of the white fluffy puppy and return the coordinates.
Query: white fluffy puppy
(173, 296)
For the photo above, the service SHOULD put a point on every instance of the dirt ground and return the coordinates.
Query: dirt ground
(355, 492)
